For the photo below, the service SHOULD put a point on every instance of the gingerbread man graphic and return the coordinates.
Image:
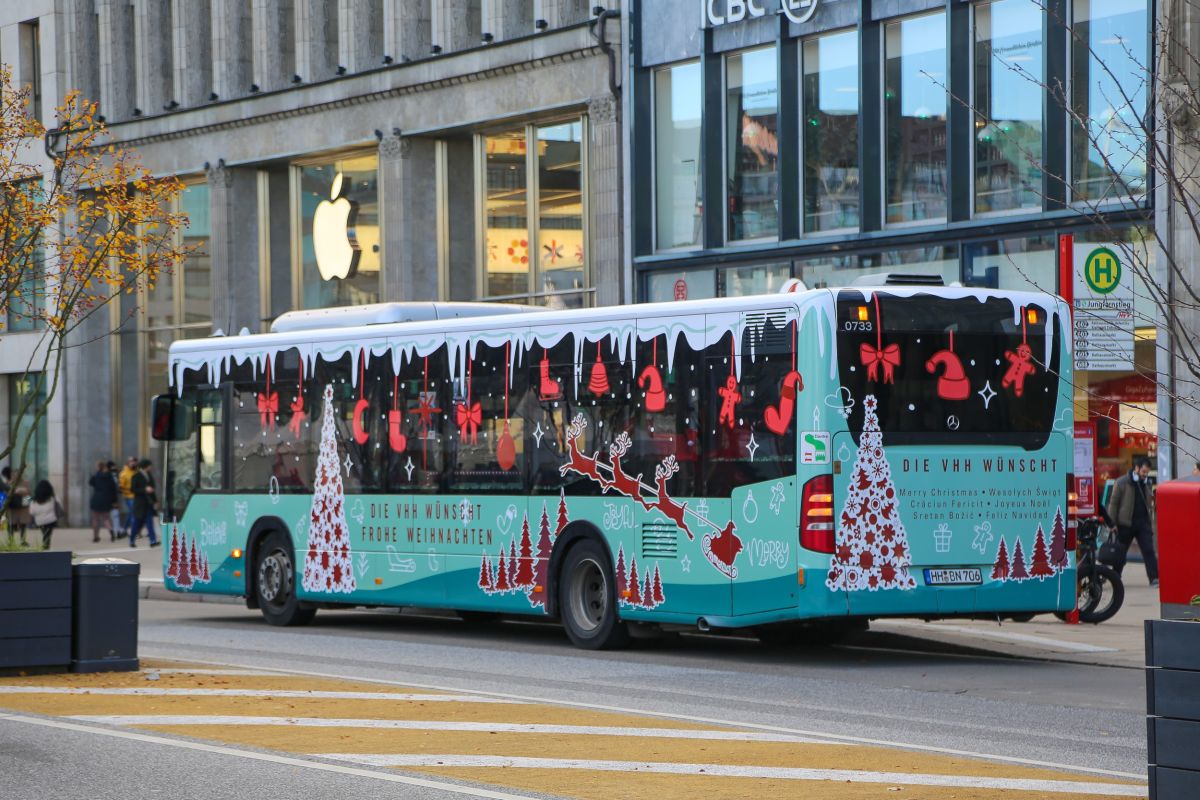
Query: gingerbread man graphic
(1019, 368)
(730, 398)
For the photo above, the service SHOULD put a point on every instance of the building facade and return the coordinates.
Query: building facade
(996, 143)
(335, 152)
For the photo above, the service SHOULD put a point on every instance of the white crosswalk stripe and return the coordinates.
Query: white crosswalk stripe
(288, 693)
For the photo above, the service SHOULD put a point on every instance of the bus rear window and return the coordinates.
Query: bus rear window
(950, 370)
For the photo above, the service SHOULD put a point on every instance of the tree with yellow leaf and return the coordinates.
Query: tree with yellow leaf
(73, 238)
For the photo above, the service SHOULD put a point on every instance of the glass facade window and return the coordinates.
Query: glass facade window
(915, 118)
(349, 275)
(1027, 264)
(756, 279)
(535, 243)
(28, 390)
(1008, 105)
(752, 144)
(678, 207)
(561, 252)
(842, 270)
(681, 284)
(829, 132)
(506, 215)
(1109, 98)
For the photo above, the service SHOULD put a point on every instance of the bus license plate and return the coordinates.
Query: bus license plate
(953, 577)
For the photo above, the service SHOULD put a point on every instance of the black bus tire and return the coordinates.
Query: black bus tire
(275, 582)
(587, 599)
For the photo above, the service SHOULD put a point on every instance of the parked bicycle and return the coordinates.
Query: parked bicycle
(1100, 589)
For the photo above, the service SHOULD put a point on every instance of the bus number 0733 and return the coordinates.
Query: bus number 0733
(857, 325)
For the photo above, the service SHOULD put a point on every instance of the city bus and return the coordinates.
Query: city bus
(802, 461)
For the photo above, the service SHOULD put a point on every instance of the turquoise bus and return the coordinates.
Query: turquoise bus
(787, 463)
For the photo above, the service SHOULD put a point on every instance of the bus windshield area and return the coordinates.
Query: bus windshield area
(964, 370)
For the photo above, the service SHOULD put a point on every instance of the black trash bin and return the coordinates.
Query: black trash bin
(104, 618)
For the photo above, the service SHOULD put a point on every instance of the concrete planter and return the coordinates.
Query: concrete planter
(1173, 708)
(35, 610)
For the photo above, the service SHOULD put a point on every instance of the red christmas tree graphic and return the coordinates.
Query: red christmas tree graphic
(485, 573)
(183, 576)
(327, 563)
(622, 585)
(647, 593)
(635, 589)
(659, 598)
(872, 545)
(1019, 572)
(1040, 568)
(193, 560)
(524, 577)
(562, 512)
(502, 582)
(173, 560)
(205, 576)
(1000, 570)
(1058, 542)
(541, 568)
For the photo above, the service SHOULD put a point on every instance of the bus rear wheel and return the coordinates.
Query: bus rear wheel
(587, 599)
(275, 583)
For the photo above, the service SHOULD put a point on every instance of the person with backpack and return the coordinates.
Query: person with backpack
(103, 501)
(46, 510)
(144, 503)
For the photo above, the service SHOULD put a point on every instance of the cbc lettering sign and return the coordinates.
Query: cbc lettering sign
(714, 13)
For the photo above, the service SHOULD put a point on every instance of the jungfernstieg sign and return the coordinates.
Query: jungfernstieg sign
(714, 13)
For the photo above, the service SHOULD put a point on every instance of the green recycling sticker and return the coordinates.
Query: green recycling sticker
(1102, 271)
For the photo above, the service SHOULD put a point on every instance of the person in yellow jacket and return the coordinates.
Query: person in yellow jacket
(125, 487)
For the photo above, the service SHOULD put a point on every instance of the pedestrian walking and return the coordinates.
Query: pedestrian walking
(103, 501)
(1131, 507)
(46, 510)
(125, 486)
(17, 505)
(115, 514)
(144, 503)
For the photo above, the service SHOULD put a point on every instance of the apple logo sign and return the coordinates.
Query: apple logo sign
(334, 244)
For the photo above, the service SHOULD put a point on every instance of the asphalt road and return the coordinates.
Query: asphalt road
(889, 689)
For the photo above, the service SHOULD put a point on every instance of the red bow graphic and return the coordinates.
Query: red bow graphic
(872, 358)
(468, 420)
(268, 406)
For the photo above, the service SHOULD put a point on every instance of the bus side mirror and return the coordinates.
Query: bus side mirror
(170, 420)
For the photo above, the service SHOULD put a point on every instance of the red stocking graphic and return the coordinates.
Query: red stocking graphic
(268, 403)
(396, 438)
(548, 388)
(468, 416)
(651, 380)
(953, 383)
(874, 357)
(297, 406)
(1019, 363)
(360, 408)
(506, 449)
(598, 383)
(779, 418)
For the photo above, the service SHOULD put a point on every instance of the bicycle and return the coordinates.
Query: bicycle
(1100, 591)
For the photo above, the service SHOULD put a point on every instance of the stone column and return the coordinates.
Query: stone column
(232, 54)
(507, 19)
(233, 212)
(456, 24)
(82, 62)
(604, 198)
(153, 34)
(192, 22)
(408, 204)
(274, 43)
(462, 251)
(406, 33)
(118, 75)
(86, 391)
(316, 39)
(360, 34)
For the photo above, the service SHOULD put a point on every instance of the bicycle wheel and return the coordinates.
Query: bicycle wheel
(1100, 594)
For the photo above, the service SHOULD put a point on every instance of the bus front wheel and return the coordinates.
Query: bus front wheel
(275, 583)
(587, 599)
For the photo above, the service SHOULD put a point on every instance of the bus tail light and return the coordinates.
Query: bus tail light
(816, 515)
(1072, 514)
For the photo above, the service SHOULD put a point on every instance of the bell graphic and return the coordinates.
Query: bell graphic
(598, 383)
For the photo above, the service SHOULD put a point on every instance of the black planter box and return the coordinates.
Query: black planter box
(1173, 708)
(35, 610)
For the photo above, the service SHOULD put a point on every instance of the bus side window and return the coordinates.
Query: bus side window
(210, 445)
(675, 430)
(549, 407)
(424, 385)
(295, 461)
(181, 476)
(363, 466)
(478, 411)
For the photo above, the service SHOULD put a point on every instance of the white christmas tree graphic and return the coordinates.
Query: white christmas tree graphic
(328, 565)
(872, 546)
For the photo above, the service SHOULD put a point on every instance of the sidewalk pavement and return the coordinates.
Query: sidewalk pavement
(1120, 642)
